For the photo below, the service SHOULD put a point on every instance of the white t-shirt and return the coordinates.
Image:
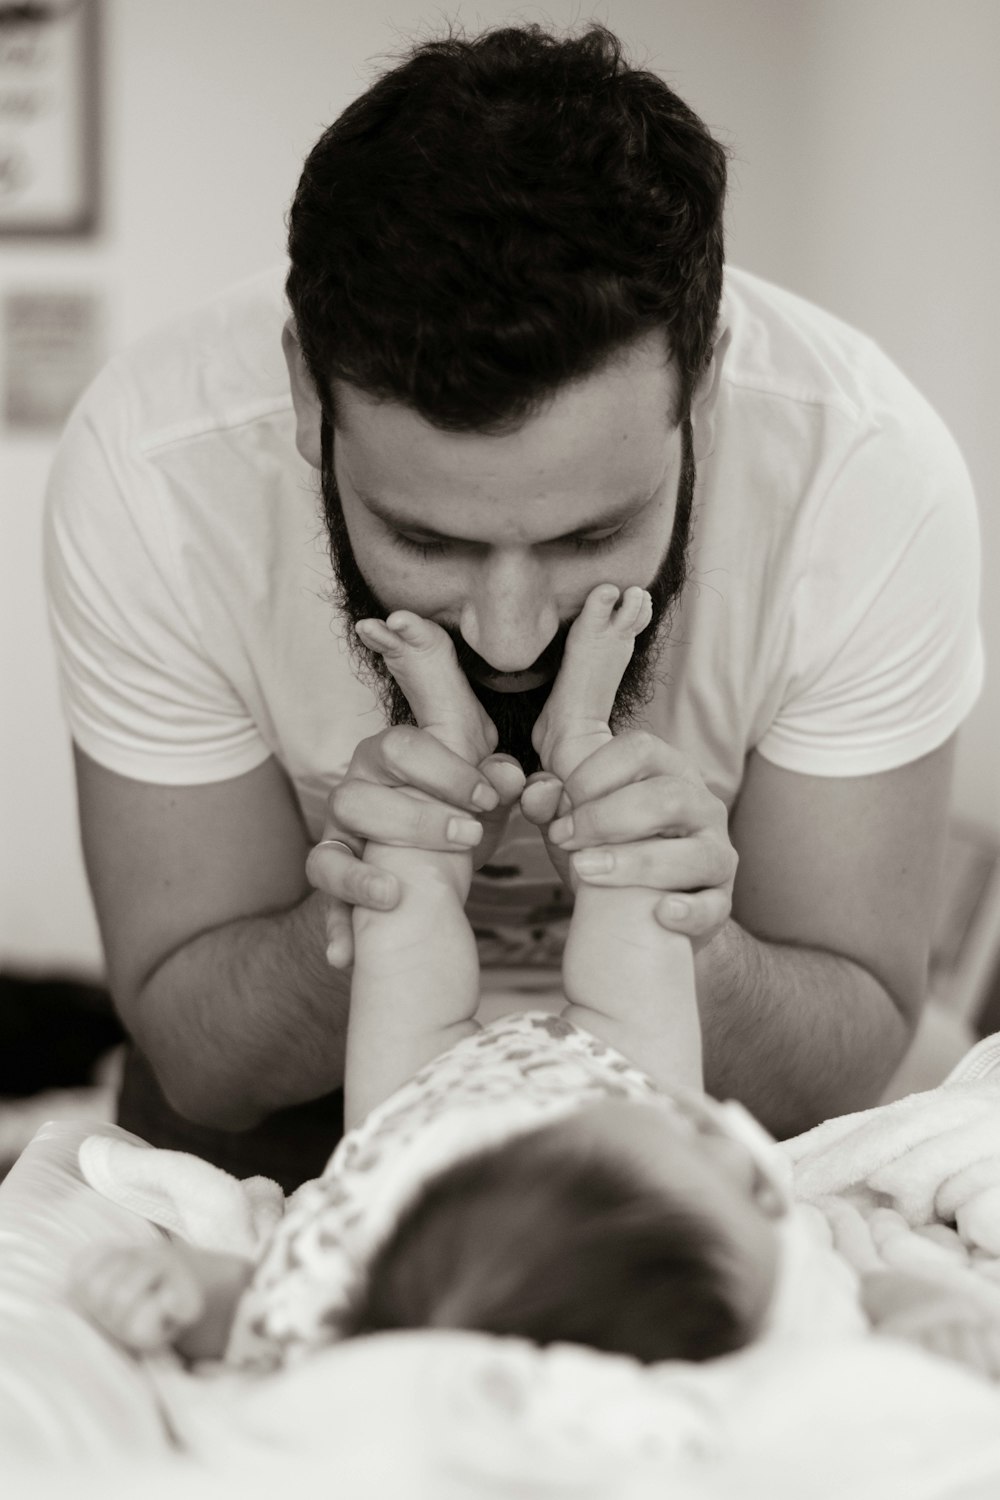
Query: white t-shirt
(829, 621)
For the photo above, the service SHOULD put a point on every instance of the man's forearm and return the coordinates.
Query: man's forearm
(796, 1034)
(246, 1019)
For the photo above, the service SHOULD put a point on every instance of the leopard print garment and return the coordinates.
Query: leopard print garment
(517, 1073)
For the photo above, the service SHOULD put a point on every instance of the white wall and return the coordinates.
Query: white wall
(901, 235)
(864, 133)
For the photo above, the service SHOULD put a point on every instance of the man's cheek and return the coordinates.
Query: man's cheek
(407, 588)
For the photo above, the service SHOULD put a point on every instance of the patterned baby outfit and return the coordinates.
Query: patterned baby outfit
(515, 1075)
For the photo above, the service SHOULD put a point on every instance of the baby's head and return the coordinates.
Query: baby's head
(630, 1227)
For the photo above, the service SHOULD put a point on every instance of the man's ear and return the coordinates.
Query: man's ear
(308, 412)
(704, 405)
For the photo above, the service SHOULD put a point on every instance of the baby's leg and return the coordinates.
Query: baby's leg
(159, 1296)
(416, 968)
(627, 979)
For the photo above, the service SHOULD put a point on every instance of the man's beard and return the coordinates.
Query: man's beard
(513, 714)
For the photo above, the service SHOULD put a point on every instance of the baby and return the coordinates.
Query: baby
(561, 1178)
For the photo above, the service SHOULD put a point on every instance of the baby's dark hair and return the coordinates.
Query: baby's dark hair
(548, 1240)
(499, 215)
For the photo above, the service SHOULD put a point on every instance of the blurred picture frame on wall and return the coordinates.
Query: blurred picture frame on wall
(49, 117)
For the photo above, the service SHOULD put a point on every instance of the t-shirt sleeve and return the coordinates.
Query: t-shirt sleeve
(141, 692)
(882, 649)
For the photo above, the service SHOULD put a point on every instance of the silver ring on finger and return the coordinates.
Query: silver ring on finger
(339, 844)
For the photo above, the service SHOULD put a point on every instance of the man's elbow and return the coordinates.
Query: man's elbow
(908, 998)
(199, 1081)
(211, 1097)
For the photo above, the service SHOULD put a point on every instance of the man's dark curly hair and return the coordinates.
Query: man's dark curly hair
(497, 216)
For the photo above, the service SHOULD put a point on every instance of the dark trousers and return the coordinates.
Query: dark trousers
(290, 1147)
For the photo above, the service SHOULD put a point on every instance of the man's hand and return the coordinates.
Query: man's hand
(637, 813)
(403, 787)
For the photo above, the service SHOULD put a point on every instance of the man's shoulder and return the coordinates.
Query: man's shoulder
(210, 370)
(790, 349)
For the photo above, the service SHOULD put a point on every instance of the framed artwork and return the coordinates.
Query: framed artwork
(54, 342)
(48, 117)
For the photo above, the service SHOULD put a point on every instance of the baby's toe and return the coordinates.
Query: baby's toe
(610, 615)
(404, 638)
(633, 613)
(598, 610)
(417, 633)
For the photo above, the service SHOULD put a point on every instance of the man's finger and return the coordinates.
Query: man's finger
(664, 807)
(628, 758)
(389, 815)
(335, 871)
(540, 798)
(693, 913)
(404, 756)
(505, 776)
(339, 935)
(658, 864)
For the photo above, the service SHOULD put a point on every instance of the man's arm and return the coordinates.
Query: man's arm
(214, 943)
(810, 995)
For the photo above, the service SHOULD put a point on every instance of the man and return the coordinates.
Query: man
(516, 371)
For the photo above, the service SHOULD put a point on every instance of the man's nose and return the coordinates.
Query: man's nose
(511, 616)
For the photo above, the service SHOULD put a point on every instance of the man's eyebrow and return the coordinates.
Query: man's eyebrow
(615, 516)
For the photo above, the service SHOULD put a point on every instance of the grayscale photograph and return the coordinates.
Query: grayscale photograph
(500, 799)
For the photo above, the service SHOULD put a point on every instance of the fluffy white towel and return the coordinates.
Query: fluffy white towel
(915, 1185)
(917, 1178)
(849, 1149)
(934, 1157)
(184, 1194)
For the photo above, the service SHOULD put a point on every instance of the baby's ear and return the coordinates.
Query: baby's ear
(704, 405)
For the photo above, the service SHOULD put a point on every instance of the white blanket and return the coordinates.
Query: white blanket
(455, 1417)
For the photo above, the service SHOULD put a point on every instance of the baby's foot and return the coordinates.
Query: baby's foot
(422, 659)
(143, 1295)
(574, 721)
